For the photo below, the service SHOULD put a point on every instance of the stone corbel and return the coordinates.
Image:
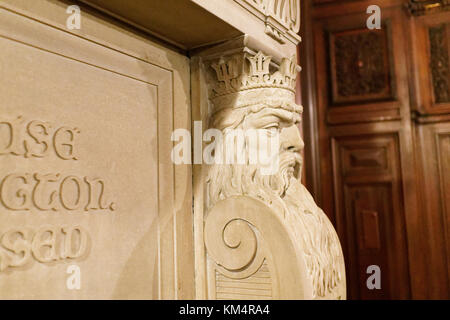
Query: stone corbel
(258, 237)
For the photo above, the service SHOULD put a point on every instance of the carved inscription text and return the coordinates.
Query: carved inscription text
(47, 192)
(47, 244)
(37, 139)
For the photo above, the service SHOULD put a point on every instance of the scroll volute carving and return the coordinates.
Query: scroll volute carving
(241, 232)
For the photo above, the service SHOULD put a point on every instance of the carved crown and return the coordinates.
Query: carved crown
(242, 80)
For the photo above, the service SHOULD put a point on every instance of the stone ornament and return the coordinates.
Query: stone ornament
(264, 235)
(281, 17)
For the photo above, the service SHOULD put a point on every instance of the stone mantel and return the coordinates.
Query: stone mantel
(97, 123)
(190, 24)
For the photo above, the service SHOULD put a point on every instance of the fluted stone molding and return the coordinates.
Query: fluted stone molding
(281, 17)
(264, 236)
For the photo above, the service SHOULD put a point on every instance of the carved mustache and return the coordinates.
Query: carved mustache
(289, 159)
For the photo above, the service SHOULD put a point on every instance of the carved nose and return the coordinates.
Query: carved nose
(291, 140)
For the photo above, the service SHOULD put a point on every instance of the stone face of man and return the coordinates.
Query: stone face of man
(284, 123)
(251, 181)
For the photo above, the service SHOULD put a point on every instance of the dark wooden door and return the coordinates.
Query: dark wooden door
(379, 169)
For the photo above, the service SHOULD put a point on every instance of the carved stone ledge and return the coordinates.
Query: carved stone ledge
(282, 18)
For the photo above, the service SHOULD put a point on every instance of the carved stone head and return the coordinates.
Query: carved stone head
(248, 95)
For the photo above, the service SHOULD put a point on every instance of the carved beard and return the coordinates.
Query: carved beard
(290, 169)
(285, 194)
(323, 255)
(231, 180)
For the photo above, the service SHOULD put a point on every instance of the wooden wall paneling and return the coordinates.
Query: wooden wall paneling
(419, 71)
(369, 202)
(439, 50)
(360, 65)
(433, 153)
(443, 144)
(372, 117)
(332, 8)
(431, 65)
(430, 61)
(422, 7)
(361, 86)
(309, 120)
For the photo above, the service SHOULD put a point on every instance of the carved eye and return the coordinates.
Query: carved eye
(272, 129)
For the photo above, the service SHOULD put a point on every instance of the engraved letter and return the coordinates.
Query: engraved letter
(71, 249)
(6, 137)
(49, 242)
(39, 132)
(10, 132)
(18, 242)
(8, 191)
(96, 202)
(64, 141)
(43, 198)
(77, 203)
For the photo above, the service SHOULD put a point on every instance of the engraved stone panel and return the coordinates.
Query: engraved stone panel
(84, 178)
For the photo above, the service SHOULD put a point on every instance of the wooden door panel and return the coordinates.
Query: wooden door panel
(382, 103)
(369, 211)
